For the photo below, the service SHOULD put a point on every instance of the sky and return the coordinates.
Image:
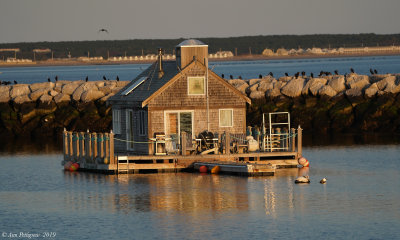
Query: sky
(78, 20)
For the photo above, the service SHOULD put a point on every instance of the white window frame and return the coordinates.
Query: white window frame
(219, 116)
(179, 120)
(142, 123)
(116, 120)
(204, 85)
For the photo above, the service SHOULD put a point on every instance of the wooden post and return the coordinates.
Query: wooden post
(81, 139)
(100, 149)
(299, 141)
(106, 145)
(94, 147)
(183, 143)
(227, 143)
(70, 146)
(112, 159)
(88, 150)
(65, 145)
(292, 132)
(278, 139)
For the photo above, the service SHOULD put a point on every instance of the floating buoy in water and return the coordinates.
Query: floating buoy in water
(203, 169)
(67, 166)
(74, 167)
(303, 179)
(304, 162)
(323, 181)
(215, 170)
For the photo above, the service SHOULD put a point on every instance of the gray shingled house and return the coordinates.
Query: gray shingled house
(170, 97)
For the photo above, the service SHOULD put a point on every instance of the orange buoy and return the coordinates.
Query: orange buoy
(203, 169)
(215, 170)
(304, 162)
(67, 165)
(74, 167)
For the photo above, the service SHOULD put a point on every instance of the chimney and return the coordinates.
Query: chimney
(160, 67)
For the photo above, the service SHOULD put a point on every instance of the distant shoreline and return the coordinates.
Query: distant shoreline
(236, 58)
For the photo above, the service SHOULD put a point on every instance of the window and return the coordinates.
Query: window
(116, 118)
(129, 130)
(178, 121)
(226, 117)
(196, 85)
(142, 123)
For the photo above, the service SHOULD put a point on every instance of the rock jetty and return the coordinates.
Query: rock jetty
(339, 103)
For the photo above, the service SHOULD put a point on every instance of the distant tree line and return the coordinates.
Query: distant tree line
(238, 45)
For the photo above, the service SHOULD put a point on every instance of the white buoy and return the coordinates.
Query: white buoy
(303, 162)
(323, 181)
(303, 179)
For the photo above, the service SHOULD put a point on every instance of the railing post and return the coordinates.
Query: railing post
(94, 147)
(227, 143)
(65, 145)
(292, 134)
(106, 145)
(299, 141)
(88, 150)
(70, 146)
(112, 159)
(183, 143)
(81, 138)
(100, 149)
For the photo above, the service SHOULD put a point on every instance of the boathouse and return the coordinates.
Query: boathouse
(172, 97)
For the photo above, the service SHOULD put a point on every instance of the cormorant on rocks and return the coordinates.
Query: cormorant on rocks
(222, 75)
(271, 74)
(260, 76)
(87, 78)
(375, 71)
(312, 75)
(15, 82)
(56, 78)
(104, 77)
(48, 79)
(336, 72)
(351, 70)
(286, 74)
(230, 76)
(117, 78)
(371, 71)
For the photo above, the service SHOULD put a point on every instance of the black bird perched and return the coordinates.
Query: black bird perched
(103, 30)
(240, 77)
(351, 70)
(87, 78)
(260, 76)
(56, 78)
(117, 78)
(286, 74)
(375, 71)
(15, 82)
(222, 75)
(303, 73)
(371, 71)
(271, 74)
(104, 77)
(336, 72)
(230, 76)
(321, 73)
(297, 75)
(312, 75)
(48, 79)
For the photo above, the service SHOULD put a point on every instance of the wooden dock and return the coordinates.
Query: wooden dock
(95, 152)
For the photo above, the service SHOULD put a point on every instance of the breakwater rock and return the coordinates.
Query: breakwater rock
(339, 103)
(44, 109)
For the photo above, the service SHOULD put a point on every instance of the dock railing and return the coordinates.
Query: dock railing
(88, 148)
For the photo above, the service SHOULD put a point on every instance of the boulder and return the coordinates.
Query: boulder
(377, 77)
(22, 99)
(243, 88)
(43, 85)
(257, 95)
(354, 94)
(35, 95)
(19, 89)
(61, 97)
(5, 89)
(253, 87)
(357, 81)
(293, 88)
(100, 84)
(264, 86)
(387, 84)
(251, 81)
(4, 97)
(337, 83)
(106, 97)
(122, 83)
(91, 95)
(285, 79)
(106, 89)
(70, 88)
(313, 86)
(371, 91)
(327, 91)
(46, 98)
(116, 89)
(273, 93)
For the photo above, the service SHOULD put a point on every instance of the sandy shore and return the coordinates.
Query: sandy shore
(236, 58)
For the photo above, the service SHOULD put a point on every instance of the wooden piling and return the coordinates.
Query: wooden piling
(65, 145)
(100, 146)
(227, 143)
(106, 144)
(88, 142)
(299, 141)
(112, 158)
(94, 147)
(183, 143)
(292, 132)
(81, 140)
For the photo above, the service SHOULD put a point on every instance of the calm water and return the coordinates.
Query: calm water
(245, 69)
(359, 201)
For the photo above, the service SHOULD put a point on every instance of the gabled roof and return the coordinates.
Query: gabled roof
(148, 86)
(153, 85)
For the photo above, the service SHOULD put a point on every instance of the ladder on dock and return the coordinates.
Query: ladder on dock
(123, 165)
(272, 140)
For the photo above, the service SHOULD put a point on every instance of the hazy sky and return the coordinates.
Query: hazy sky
(64, 20)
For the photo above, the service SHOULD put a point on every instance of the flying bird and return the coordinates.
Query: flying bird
(103, 30)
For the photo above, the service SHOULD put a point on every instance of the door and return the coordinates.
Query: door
(129, 130)
(177, 122)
